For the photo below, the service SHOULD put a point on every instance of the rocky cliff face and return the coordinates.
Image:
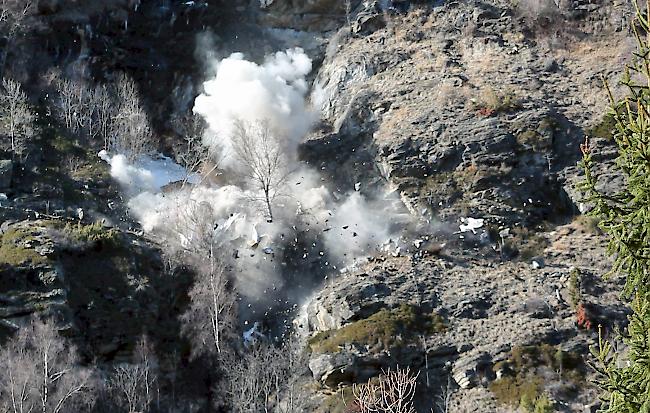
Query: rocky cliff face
(469, 109)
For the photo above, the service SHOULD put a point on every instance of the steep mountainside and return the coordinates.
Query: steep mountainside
(471, 112)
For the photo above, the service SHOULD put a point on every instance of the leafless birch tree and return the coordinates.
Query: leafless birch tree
(210, 320)
(16, 116)
(84, 109)
(13, 14)
(132, 386)
(263, 161)
(392, 393)
(194, 154)
(70, 102)
(253, 378)
(40, 373)
(104, 112)
(131, 132)
(443, 400)
(266, 378)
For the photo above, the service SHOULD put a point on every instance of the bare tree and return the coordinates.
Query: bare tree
(265, 378)
(40, 372)
(70, 102)
(13, 14)
(131, 134)
(132, 386)
(104, 113)
(16, 116)
(115, 114)
(210, 320)
(263, 161)
(293, 395)
(443, 400)
(12, 22)
(85, 109)
(194, 154)
(193, 224)
(253, 378)
(392, 393)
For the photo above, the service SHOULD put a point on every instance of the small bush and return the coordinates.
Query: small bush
(512, 390)
(540, 404)
(582, 317)
(14, 250)
(528, 138)
(543, 405)
(604, 129)
(528, 243)
(386, 328)
(575, 294)
(492, 102)
(588, 224)
(523, 386)
(340, 402)
(92, 234)
(525, 358)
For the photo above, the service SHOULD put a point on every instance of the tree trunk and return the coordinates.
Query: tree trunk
(268, 205)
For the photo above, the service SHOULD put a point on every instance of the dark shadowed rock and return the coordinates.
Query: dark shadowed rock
(6, 174)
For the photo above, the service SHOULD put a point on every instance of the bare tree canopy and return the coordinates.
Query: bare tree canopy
(13, 14)
(16, 116)
(114, 114)
(194, 155)
(266, 378)
(12, 22)
(264, 164)
(132, 386)
(393, 392)
(210, 320)
(132, 133)
(40, 373)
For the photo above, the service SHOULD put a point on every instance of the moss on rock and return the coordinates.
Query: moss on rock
(385, 329)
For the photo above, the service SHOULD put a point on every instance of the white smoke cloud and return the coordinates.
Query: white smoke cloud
(183, 216)
(335, 230)
(147, 173)
(273, 91)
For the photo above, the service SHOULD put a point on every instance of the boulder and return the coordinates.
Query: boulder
(332, 369)
(468, 369)
(367, 23)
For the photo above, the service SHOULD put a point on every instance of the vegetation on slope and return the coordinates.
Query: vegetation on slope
(625, 218)
(385, 329)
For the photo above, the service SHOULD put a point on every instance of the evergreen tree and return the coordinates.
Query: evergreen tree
(625, 218)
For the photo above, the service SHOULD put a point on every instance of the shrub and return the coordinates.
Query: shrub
(588, 224)
(387, 328)
(540, 404)
(523, 386)
(14, 249)
(575, 294)
(604, 129)
(492, 102)
(543, 405)
(527, 243)
(512, 390)
(582, 317)
(92, 234)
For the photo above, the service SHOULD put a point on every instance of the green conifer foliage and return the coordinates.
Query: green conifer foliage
(625, 218)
